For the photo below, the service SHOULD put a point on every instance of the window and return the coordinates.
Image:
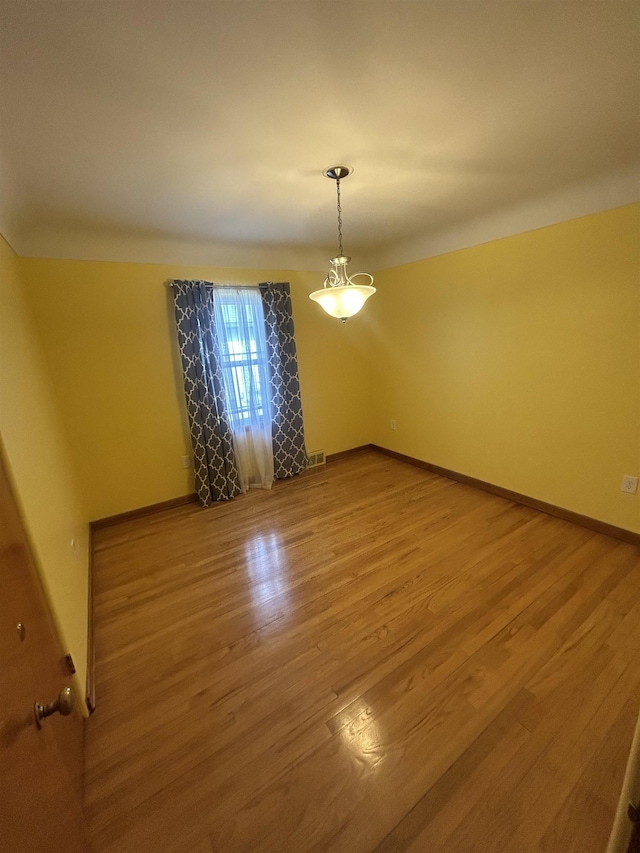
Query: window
(239, 320)
(243, 400)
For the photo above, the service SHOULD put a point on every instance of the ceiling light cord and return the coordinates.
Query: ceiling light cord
(340, 249)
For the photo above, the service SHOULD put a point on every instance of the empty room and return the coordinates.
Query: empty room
(320, 426)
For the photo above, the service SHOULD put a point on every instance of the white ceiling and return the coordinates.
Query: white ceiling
(208, 123)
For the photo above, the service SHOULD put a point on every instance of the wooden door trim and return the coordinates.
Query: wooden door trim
(42, 764)
(90, 689)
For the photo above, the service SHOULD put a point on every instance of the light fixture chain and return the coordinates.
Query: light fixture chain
(339, 218)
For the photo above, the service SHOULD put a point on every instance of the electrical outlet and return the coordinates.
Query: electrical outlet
(629, 484)
(393, 424)
(186, 461)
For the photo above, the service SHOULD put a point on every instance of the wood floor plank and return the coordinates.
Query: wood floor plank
(367, 657)
(446, 805)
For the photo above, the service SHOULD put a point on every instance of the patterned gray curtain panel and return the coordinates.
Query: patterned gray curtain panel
(216, 476)
(289, 453)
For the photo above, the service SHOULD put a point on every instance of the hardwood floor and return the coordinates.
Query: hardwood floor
(367, 658)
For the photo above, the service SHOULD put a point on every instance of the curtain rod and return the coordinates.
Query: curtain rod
(170, 282)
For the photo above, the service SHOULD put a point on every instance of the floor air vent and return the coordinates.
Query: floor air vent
(316, 458)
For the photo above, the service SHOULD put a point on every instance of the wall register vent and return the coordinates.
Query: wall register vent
(316, 458)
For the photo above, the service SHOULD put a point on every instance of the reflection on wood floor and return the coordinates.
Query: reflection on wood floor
(368, 657)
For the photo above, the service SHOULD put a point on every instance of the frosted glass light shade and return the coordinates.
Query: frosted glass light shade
(344, 300)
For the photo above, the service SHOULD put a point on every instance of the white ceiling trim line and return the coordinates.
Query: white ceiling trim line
(60, 242)
(571, 202)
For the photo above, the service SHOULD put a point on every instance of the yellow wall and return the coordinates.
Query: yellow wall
(518, 362)
(41, 465)
(108, 333)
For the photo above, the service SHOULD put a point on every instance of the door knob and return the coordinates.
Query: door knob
(63, 705)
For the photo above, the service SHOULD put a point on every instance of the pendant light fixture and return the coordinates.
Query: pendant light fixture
(339, 296)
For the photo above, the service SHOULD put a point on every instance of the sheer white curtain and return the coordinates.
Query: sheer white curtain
(239, 322)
